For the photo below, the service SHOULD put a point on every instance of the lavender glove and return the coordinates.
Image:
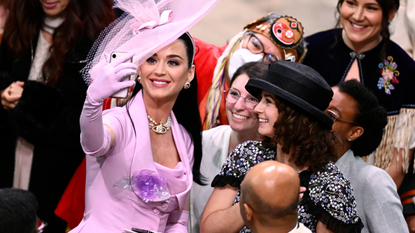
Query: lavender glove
(95, 138)
(177, 222)
(110, 78)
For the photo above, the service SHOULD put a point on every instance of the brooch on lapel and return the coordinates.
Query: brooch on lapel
(389, 75)
(146, 184)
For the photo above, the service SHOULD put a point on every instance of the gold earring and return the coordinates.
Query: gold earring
(349, 139)
(139, 79)
(186, 85)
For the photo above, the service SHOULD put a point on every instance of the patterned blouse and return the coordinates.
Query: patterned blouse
(329, 196)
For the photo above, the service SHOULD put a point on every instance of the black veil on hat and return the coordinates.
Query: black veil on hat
(299, 85)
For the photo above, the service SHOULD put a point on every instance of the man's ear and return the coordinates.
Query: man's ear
(248, 212)
(356, 132)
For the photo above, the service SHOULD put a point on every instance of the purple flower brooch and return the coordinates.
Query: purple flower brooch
(147, 184)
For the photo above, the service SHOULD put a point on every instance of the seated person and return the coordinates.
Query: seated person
(279, 213)
(359, 121)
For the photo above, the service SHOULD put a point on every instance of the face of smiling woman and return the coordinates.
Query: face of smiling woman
(362, 23)
(164, 74)
(54, 7)
(240, 117)
(267, 114)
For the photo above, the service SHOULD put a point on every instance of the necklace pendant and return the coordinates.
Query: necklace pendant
(159, 128)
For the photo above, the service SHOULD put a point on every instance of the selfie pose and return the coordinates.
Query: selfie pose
(143, 157)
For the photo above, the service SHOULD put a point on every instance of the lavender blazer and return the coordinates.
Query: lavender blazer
(111, 209)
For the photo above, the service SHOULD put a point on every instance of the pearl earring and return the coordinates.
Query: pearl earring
(186, 85)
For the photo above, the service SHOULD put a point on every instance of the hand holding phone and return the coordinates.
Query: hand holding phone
(109, 79)
(124, 92)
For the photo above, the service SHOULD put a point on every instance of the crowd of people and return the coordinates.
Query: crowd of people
(272, 132)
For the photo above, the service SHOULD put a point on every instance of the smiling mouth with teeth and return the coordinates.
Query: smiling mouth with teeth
(238, 116)
(263, 120)
(357, 26)
(159, 82)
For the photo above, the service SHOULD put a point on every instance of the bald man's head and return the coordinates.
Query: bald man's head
(270, 190)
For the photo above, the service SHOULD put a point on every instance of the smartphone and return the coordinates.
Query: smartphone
(136, 230)
(124, 92)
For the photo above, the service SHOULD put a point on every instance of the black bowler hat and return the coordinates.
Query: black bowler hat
(298, 85)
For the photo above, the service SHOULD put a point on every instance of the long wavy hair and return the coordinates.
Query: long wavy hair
(387, 6)
(303, 137)
(186, 111)
(87, 17)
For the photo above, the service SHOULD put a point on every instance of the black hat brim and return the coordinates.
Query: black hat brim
(255, 85)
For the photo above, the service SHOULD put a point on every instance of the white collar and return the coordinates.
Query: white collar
(51, 23)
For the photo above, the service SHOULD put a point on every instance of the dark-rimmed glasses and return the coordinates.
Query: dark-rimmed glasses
(335, 117)
(233, 95)
(255, 46)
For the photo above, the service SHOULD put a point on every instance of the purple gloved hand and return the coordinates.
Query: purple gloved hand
(177, 222)
(110, 79)
(95, 138)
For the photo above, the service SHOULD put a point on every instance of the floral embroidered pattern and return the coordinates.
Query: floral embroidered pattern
(244, 157)
(389, 75)
(330, 190)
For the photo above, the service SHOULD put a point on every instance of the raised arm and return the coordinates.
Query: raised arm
(95, 139)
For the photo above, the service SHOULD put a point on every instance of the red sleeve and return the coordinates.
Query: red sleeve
(205, 61)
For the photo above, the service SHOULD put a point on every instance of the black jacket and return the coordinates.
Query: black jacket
(47, 117)
(333, 61)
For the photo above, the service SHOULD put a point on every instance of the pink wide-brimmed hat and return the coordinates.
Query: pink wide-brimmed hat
(144, 28)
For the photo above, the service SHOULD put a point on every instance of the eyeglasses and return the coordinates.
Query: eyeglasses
(255, 46)
(333, 115)
(233, 95)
